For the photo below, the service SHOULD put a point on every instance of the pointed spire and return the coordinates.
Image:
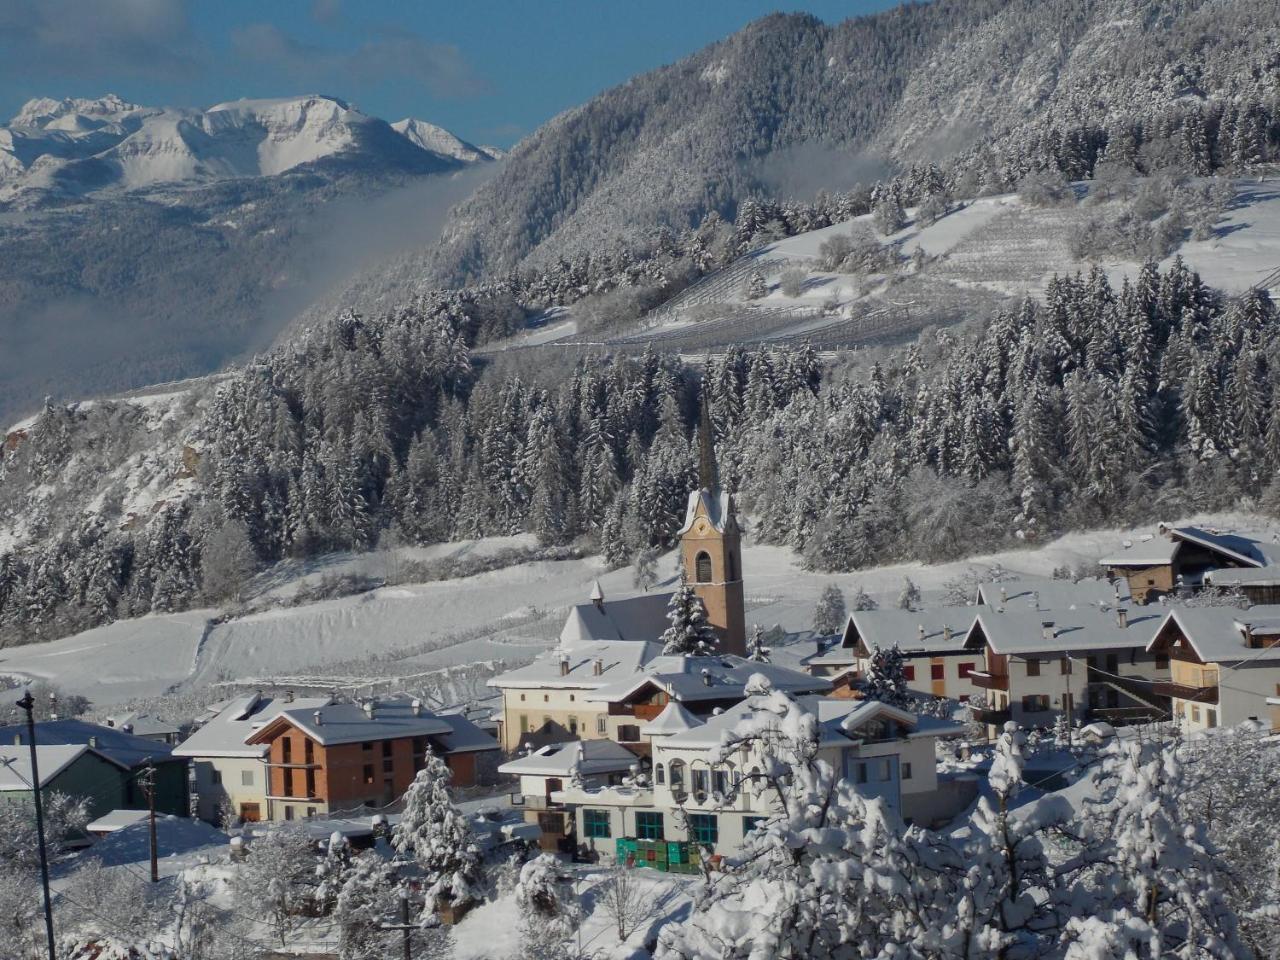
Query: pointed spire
(708, 474)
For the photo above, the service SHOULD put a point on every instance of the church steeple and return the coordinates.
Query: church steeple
(708, 474)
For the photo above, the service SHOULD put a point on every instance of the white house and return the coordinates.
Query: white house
(692, 795)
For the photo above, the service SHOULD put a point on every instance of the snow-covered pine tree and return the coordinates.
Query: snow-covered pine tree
(757, 652)
(886, 679)
(863, 600)
(546, 921)
(829, 615)
(438, 837)
(689, 634)
(909, 597)
(757, 287)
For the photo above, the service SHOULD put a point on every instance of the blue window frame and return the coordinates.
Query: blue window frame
(595, 823)
(703, 828)
(649, 825)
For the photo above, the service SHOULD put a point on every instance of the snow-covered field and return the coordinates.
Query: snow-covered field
(509, 614)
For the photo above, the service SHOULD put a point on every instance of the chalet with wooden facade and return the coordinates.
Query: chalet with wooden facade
(1225, 663)
(355, 756)
(1088, 663)
(1175, 557)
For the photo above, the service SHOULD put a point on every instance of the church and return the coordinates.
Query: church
(608, 677)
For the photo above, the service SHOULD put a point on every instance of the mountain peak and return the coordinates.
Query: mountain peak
(437, 139)
(42, 111)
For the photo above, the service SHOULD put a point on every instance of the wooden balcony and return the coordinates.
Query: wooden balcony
(1182, 691)
(989, 681)
(989, 715)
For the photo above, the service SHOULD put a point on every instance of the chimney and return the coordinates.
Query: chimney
(564, 664)
(706, 677)
(1115, 584)
(17, 739)
(1004, 596)
(53, 706)
(1248, 633)
(1122, 617)
(93, 743)
(318, 717)
(1049, 632)
(127, 728)
(946, 631)
(597, 668)
(369, 707)
(597, 596)
(416, 707)
(920, 629)
(288, 696)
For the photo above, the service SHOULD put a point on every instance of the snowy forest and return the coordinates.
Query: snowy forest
(1095, 405)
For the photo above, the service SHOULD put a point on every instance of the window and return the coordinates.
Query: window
(246, 778)
(659, 774)
(286, 750)
(217, 776)
(699, 780)
(1065, 665)
(859, 773)
(522, 696)
(288, 813)
(703, 828)
(937, 671)
(386, 748)
(1211, 717)
(602, 724)
(720, 781)
(573, 726)
(546, 698)
(649, 825)
(311, 811)
(966, 669)
(750, 823)
(628, 733)
(906, 771)
(883, 770)
(288, 781)
(677, 775)
(367, 745)
(1195, 713)
(309, 752)
(595, 823)
(1035, 703)
(909, 672)
(1033, 668)
(702, 567)
(368, 773)
(572, 698)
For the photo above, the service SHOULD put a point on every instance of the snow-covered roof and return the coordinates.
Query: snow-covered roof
(465, 736)
(337, 723)
(716, 506)
(1268, 576)
(642, 617)
(143, 726)
(1219, 634)
(1049, 594)
(673, 719)
(558, 759)
(576, 667)
(15, 763)
(116, 745)
(1047, 632)
(1153, 551)
(691, 679)
(839, 721)
(117, 820)
(943, 632)
(1163, 548)
(225, 734)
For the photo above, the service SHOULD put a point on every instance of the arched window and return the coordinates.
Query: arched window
(702, 567)
(676, 768)
(658, 776)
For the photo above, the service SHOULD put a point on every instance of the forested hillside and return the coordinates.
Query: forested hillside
(1095, 405)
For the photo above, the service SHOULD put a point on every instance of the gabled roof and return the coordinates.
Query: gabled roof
(1239, 547)
(1152, 550)
(716, 506)
(693, 679)
(642, 617)
(1268, 576)
(15, 763)
(235, 720)
(116, 745)
(1049, 632)
(884, 628)
(1046, 593)
(141, 725)
(673, 719)
(1219, 634)
(464, 736)
(117, 820)
(618, 658)
(1163, 548)
(559, 759)
(338, 723)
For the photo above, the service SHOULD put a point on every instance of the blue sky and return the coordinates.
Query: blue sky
(491, 70)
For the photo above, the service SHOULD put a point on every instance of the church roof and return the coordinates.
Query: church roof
(642, 617)
(673, 719)
(716, 506)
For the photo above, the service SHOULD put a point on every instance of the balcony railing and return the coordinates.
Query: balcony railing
(1182, 691)
(989, 681)
(991, 716)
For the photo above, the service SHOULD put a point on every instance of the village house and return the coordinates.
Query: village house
(131, 757)
(1225, 663)
(149, 728)
(1083, 662)
(691, 795)
(75, 770)
(230, 775)
(1174, 557)
(353, 756)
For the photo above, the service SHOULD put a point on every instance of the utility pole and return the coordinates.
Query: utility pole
(149, 783)
(27, 703)
(404, 926)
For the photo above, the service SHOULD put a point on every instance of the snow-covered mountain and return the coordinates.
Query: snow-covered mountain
(438, 140)
(67, 148)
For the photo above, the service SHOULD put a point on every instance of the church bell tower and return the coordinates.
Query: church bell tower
(710, 545)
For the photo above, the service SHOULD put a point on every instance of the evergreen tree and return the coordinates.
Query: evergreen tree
(829, 615)
(689, 634)
(438, 837)
(757, 288)
(757, 652)
(886, 678)
(909, 597)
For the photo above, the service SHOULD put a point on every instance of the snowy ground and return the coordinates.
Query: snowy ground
(508, 614)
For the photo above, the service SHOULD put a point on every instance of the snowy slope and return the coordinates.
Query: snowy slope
(75, 146)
